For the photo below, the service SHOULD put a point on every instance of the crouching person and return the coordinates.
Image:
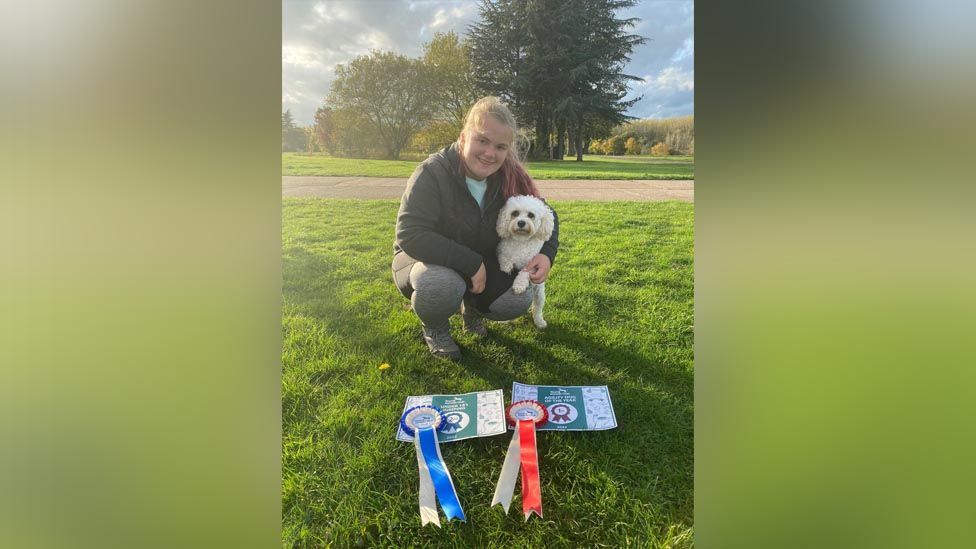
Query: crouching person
(444, 254)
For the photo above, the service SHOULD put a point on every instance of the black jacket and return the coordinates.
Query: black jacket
(439, 222)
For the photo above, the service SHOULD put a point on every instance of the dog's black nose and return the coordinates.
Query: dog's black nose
(521, 224)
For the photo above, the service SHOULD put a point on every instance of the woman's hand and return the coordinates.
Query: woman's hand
(478, 280)
(538, 268)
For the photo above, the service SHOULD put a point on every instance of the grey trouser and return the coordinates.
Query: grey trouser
(438, 292)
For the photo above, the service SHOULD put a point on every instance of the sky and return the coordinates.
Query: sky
(319, 34)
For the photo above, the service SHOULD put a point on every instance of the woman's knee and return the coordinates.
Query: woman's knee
(510, 305)
(437, 283)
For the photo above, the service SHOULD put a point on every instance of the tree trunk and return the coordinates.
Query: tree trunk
(579, 143)
(560, 140)
(542, 151)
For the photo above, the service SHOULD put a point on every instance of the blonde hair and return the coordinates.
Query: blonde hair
(515, 179)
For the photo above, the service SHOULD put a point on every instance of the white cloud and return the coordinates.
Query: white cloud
(302, 56)
(373, 39)
(439, 19)
(669, 93)
(331, 11)
(687, 51)
(671, 78)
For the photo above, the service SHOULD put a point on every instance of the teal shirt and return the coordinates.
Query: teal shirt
(477, 189)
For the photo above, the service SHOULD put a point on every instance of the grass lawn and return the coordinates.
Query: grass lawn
(620, 312)
(592, 167)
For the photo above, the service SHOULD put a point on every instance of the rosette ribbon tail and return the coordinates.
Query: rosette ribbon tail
(531, 489)
(510, 470)
(428, 506)
(441, 477)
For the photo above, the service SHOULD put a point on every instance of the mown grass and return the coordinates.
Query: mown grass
(592, 167)
(620, 302)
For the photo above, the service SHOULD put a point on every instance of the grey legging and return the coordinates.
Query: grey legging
(438, 292)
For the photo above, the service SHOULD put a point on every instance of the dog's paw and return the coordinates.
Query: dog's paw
(540, 323)
(520, 285)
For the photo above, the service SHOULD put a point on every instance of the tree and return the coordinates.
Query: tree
(311, 144)
(560, 63)
(595, 82)
(341, 133)
(434, 136)
(324, 129)
(498, 45)
(385, 94)
(292, 137)
(451, 85)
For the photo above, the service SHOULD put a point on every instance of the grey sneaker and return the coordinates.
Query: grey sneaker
(472, 321)
(440, 342)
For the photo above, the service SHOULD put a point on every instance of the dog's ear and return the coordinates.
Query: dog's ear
(547, 226)
(501, 225)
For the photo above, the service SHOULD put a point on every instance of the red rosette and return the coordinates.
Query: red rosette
(526, 409)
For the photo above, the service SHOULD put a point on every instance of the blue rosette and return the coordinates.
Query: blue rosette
(422, 423)
(420, 417)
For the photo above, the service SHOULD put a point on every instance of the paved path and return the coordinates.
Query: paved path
(551, 189)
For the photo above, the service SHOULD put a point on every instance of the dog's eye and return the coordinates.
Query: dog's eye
(515, 213)
(531, 215)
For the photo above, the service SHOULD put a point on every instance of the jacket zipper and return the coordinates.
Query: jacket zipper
(485, 209)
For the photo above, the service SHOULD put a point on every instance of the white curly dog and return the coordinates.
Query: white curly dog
(524, 224)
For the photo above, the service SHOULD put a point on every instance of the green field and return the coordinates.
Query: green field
(592, 167)
(625, 323)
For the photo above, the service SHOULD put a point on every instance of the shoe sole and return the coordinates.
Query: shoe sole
(454, 357)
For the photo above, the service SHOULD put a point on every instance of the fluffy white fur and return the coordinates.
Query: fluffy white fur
(524, 224)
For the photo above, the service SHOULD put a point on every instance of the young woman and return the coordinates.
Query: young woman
(444, 253)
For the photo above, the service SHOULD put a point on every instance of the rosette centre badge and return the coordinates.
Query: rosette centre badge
(423, 423)
(562, 413)
(522, 454)
(456, 421)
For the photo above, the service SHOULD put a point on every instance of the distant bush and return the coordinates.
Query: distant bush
(596, 147)
(677, 133)
(632, 146)
(615, 145)
(660, 149)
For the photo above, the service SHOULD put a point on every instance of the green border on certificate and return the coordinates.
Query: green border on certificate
(469, 415)
(570, 408)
